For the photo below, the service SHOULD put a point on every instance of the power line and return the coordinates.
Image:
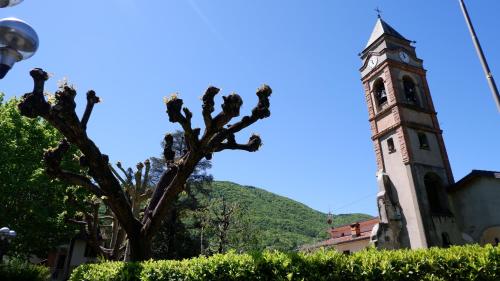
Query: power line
(355, 201)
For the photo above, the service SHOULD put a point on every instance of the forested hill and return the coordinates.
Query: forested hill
(281, 223)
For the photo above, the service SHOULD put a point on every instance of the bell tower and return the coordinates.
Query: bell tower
(413, 166)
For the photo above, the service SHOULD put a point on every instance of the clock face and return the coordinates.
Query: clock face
(372, 62)
(404, 56)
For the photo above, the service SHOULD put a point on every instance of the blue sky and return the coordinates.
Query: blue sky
(317, 146)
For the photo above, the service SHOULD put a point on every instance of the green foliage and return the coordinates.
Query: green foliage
(17, 270)
(281, 223)
(30, 202)
(227, 226)
(458, 263)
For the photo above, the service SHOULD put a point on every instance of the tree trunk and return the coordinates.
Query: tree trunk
(139, 248)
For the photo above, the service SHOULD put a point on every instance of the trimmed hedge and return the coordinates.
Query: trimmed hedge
(470, 262)
(18, 270)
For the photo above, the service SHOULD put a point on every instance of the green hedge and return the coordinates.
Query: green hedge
(17, 270)
(456, 263)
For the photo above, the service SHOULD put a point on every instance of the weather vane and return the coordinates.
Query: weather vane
(379, 12)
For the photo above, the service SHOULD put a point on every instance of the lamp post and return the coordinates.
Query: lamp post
(482, 58)
(18, 40)
(9, 3)
(6, 235)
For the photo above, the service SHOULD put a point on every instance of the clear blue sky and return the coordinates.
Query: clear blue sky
(317, 146)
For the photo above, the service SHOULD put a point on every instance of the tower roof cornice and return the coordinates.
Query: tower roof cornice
(383, 28)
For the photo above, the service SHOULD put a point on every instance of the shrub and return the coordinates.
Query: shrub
(16, 270)
(470, 262)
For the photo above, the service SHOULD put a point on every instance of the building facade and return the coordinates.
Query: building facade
(419, 203)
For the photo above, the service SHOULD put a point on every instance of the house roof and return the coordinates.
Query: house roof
(342, 234)
(382, 28)
(473, 175)
(345, 230)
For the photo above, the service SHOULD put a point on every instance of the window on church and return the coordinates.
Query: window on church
(422, 139)
(390, 145)
(410, 90)
(380, 93)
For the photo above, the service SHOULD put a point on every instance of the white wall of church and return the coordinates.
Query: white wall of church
(477, 208)
(400, 176)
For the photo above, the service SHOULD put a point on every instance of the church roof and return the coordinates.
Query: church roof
(464, 182)
(383, 28)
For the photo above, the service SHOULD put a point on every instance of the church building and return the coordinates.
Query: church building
(420, 204)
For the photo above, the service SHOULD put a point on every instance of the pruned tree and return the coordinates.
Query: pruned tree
(99, 179)
(103, 232)
(176, 238)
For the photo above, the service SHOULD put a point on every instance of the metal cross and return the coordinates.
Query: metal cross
(378, 12)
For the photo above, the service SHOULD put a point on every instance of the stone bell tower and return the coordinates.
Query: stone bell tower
(413, 166)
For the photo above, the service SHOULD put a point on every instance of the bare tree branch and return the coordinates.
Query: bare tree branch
(92, 99)
(230, 109)
(208, 106)
(53, 158)
(117, 175)
(168, 152)
(145, 180)
(62, 116)
(253, 144)
(261, 111)
(138, 176)
(174, 106)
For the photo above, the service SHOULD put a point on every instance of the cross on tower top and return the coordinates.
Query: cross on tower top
(379, 12)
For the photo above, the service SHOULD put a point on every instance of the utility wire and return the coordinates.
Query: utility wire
(355, 201)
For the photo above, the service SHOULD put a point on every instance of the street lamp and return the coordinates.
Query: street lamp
(6, 235)
(18, 41)
(9, 3)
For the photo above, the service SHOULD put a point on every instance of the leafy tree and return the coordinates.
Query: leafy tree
(30, 202)
(98, 178)
(281, 223)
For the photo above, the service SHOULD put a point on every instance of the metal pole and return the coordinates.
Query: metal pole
(482, 59)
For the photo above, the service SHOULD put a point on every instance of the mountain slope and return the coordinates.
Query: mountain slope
(282, 223)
